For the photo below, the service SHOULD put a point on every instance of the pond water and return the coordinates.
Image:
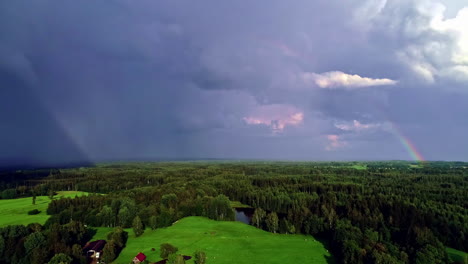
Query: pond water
(244, 215)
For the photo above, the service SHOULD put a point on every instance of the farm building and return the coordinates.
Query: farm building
(139, 258)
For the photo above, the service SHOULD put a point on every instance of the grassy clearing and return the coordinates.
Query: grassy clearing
(457, 255)
(15, 211)
(359, 167)
(226, 242)
(101, 232)
(237, 204)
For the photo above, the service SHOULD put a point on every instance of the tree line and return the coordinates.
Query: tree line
(387, 212)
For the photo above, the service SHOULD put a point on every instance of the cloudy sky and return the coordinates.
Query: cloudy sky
(263, 79)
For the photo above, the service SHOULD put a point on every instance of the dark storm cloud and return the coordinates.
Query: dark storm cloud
(230, 79)
(29, 132)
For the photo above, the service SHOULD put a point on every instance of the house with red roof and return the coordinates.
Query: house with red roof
(139, 258)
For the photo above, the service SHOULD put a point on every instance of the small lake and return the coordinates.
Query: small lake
(244, 215)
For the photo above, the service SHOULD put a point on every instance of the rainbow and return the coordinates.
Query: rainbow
(409, 146)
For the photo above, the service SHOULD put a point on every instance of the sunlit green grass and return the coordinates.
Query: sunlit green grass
(225, 242)
(102, 232)
(237, 204)
(359, 167)
(456, 255)
(15, 211)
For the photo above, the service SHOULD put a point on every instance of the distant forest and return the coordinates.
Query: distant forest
(365, 212)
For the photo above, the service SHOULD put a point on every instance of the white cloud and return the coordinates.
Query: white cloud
(434, 46)
(275, 116)
(337, 79)
(458, 28)
(415, 59)
(356, 126)
(368, 11)
(458, 73)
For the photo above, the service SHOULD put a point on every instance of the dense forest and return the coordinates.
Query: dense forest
(366, 212)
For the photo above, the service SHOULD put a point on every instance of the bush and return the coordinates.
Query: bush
(138, 227)
(109, 252)
(200, 257)
(167, 249)
(9, 194)
(175, 259)
(34, 212)
(61, 258)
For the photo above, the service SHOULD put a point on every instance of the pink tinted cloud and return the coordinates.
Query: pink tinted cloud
(275, 116)
(335, 142)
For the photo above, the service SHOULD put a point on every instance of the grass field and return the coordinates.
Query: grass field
(15, 211)
(225, 242)
(359, 167)
(456, 255)
(237, 204)
(101, 232)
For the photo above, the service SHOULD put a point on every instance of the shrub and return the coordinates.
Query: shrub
(167, 249)
(34, 212)
(200, 257)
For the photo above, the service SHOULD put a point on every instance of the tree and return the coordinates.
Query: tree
(169, 200)
(272, 222)
(35, 227)
(119, 236)
(290, 228)
(124, 217)
(258, 217)
(9, 194)
(38, 256)
(137, 225)
(2, 245)
(283, 226)
(77, 252)
(431, 254)
(167, 249)
(316, 224)
(153, 222)
(165, 217)
(51, 194)
(105, 216)
(22, 189)
(60, 258)
(179, 260)
(200, 257)
(108, 253)
(34, 240)
(351, 252)
(220, 209)
(175, 259)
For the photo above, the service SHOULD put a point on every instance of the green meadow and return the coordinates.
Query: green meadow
(15, 211)
(359, 167)
(224, 242)
(237, 204)
(457, 255)
(102, 232)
